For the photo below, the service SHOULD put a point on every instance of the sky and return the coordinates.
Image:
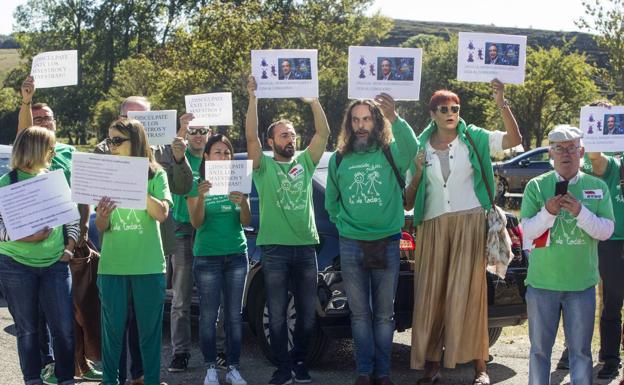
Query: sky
(557, 15)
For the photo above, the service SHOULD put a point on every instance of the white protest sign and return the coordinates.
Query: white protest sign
(121, 178)
(213, 109)
(285, 73)
(229, 175)
(161, 126)
(603, 128)
(395, 71)
(55, 69)
(482, 57)
(33, 204)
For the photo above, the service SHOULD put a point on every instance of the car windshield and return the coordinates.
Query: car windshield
(4, 165)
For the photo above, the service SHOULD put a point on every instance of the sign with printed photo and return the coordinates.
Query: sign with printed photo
(285, 73)
(482, 57)
(603, 128)
(395, 71)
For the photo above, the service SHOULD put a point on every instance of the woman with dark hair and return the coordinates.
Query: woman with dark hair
(220, 263)
(132, 263)
(450, 192)
(34, 271)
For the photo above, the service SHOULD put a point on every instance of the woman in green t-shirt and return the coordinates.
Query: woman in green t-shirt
(34, 271)
(220, 263)
(132, 263)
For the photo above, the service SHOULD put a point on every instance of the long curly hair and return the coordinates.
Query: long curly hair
(382, 132)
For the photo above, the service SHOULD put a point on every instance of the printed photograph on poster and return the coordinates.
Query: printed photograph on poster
(31, 205)
(395, 71)
(213, 109)
(603, 128)
(160, 126)
(55, 69)
(274, 70)
(482, 57)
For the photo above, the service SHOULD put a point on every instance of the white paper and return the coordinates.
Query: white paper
(4, 149)
(603, 128)
(161, 126)
(285, 73)
(481, 57)
(121, 178)
(213, 109)
(55, 69)
(33, 204)
(229, 175)
(395, 71)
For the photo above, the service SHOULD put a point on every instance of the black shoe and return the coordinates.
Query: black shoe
(179, 363)
(564, 362)
(281, 378)
(221, 361)
(301, 374)
(609, 371)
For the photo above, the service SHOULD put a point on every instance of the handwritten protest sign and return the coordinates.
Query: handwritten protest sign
(482, 57)
(603, 128)
(121, 178)
(33, 204)
(285, 73)
(395, 71)
(213, 109)
(161, 126)
(229, 175)
(55, 69)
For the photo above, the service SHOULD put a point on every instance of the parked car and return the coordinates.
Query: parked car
(5, 161)
(513, 175)
(506, 305)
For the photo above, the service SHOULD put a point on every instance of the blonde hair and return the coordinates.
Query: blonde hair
(32, 147)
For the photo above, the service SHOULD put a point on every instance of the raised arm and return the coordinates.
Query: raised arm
(404, 136)
(25, 118)
(196, 209)
(318, 144)
(412, 188)
(599, 163)
(512, 136)
(254, 147)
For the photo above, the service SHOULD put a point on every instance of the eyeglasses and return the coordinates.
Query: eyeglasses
(565, 150)
(286, 135)
(43, 119)
(198, 131)
(116, 141)
(445, 109)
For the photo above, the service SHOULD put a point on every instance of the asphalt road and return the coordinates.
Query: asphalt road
(509, 364)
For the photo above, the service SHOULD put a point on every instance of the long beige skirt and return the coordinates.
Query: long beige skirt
(450, 290)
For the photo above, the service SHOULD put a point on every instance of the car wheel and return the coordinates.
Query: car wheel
(493, 334)
(318, 343)
(501, 189)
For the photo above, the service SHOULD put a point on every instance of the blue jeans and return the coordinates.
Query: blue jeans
(27, 289)
(215, 275)
(544, 308)
(370, 294)
(284, 268)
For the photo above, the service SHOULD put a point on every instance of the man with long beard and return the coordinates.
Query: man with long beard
(364, 199)
(287, 233)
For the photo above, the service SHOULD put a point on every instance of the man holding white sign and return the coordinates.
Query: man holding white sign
(284, 184)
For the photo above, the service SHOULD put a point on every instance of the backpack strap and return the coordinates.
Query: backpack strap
(397, 174)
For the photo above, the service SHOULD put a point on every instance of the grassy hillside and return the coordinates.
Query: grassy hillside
(9, 59)
(404, 29)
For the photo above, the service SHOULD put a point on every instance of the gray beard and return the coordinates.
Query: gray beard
(362, 144)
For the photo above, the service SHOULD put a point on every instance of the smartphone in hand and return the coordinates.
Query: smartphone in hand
(561, 188)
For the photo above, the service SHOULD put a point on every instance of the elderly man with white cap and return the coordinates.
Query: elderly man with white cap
(564, 214)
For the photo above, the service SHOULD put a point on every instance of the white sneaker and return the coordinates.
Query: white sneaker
(234, 377)
(212, 377)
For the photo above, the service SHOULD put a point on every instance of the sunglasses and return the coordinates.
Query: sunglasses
(445, 109)
(198, 131)
(116, 141)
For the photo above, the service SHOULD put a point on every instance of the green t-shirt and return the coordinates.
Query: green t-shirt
(570, 262)
(132, 243)
(35, 254)
(363, 197)
(62, 159)
(285, 194)
(612, 179)
(180, 210)
(221, 233)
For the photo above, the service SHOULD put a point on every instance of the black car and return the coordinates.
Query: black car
(506, 306)
(513, 175)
